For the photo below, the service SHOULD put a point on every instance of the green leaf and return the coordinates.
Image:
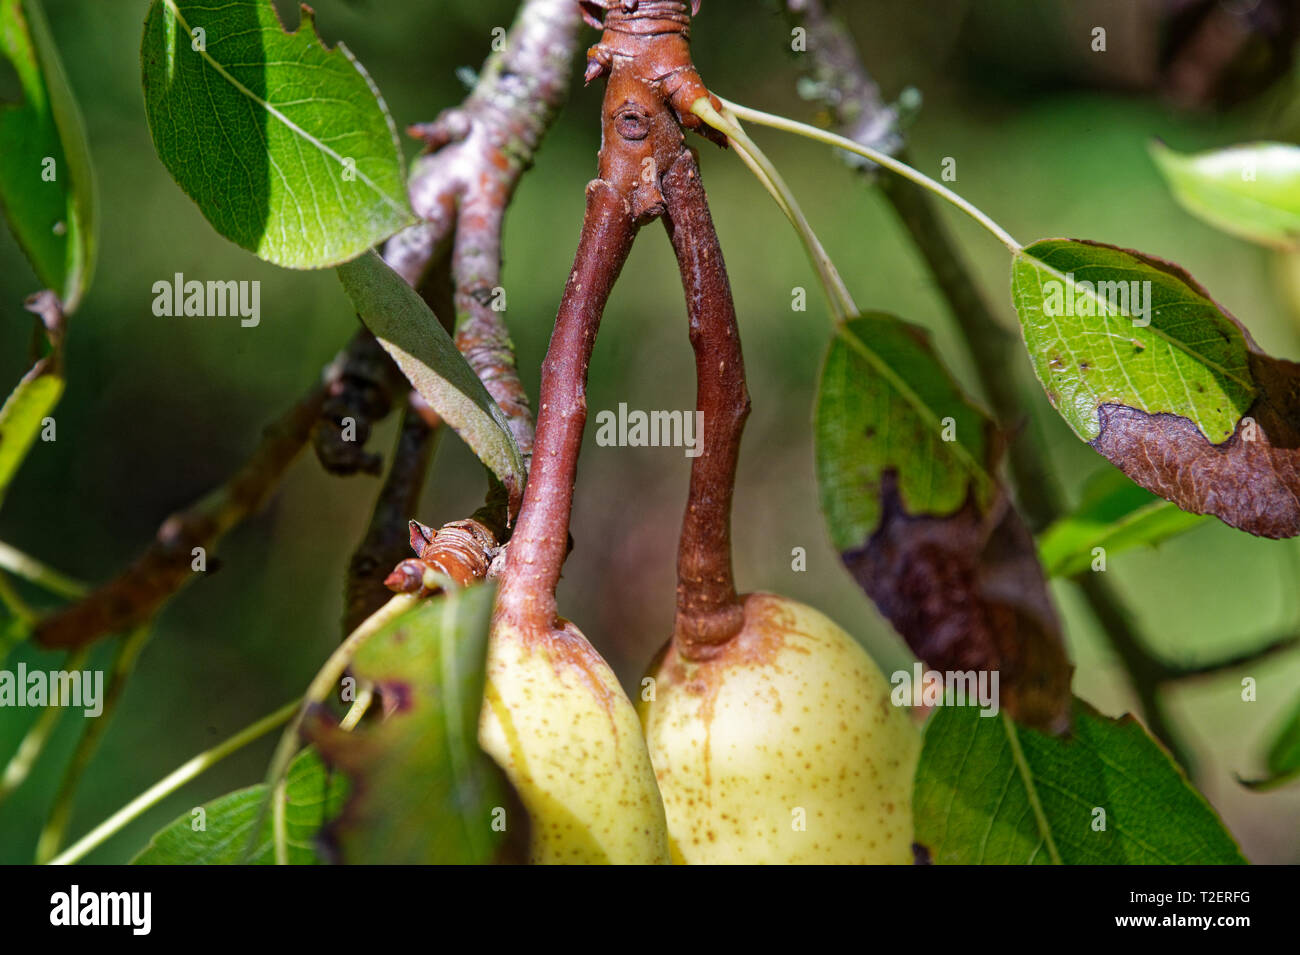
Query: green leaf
(313, 797)
(413, 336)
(988, 792)
(1085, 331)
(1158, 378)
(1251, 191)
(1283, 759)
(286, 146)
(1114, 514)
(884, 404)
(53, 219)
(423, 791)
(21, 417)
(1284, 755)
(904, 469)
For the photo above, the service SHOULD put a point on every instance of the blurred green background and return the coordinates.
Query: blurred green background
(1049, 137)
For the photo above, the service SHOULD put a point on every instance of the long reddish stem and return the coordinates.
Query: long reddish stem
(708, 610)
(538, 546)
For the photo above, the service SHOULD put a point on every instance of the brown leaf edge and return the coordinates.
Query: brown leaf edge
(1251, 481)
(966, 591)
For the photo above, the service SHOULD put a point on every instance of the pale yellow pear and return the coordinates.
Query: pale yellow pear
(784, 748)
(558, 723)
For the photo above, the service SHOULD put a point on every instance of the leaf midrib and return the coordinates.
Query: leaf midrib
(912, 398)
(1031, 791)
(290, 124)
(1173, 343)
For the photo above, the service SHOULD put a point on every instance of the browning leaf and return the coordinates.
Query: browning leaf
(966, 592)
(1172, 390)
(905, 466)
(1251, 481)
(422, 792)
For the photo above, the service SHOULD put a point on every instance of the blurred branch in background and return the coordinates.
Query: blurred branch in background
(386, 541)
(1221, 53)
(185, 539)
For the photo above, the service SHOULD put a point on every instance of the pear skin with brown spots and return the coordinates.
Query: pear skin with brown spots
(784, 747)
(559, 725)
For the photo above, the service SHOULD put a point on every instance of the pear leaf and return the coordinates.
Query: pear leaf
(47, 184)
(1114, 515)
(1162, 381)
(313, 796)
(905, 468)
(422, 790)
(22, 417)
(1251, 191)
(406, 328)
(991, 793)
(286, 146)
(1283, 759)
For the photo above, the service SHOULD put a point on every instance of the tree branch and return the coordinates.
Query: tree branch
(460, 189)
(134, 597)
(386, 538)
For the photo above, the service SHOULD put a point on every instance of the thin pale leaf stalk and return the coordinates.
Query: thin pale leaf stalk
(365, 696)
(321, 685)
(33, 744)
(279, 799)
(882, 159)
(841, 302)
(16, 606)
(56, 823)
(185, 773)
(31, 569)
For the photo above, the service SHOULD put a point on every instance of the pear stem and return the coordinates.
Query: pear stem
(540, 541)
(709, 612)
(646, 172)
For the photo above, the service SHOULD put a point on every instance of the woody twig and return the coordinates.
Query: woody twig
(476, 154)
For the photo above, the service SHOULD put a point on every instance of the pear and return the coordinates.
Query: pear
(559, 725)
(782, 747)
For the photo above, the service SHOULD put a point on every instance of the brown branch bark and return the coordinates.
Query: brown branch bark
(135, 596)
(360, 390)
(461, 188)
(538, 545)
(386, 536)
